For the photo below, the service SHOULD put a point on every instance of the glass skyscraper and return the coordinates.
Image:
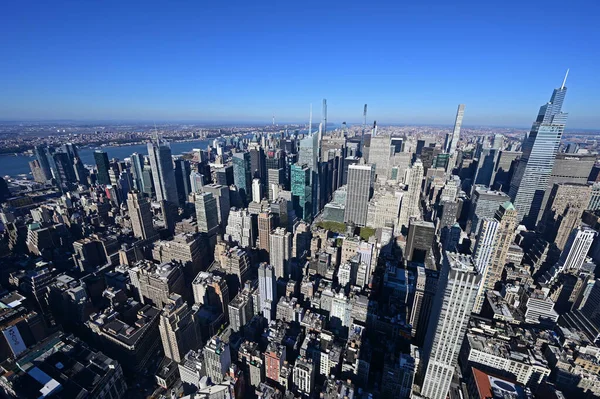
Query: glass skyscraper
(242, 176)
(101, 158)
(302, 191)
(530, 181)
(161, 163)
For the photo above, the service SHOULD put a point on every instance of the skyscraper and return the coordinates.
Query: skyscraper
(531, 177)
(411, 200)
(179, 328)
(221, 194)
(280, 252)
(161, 163)
(360, 184)
(302, 191)
(40, 154)
(182, 179)
(206, 213)
(267, 288)
(242, 176)
(137, 167)
(265, 226)
(483, 256)
(379, 155)
(102, 164)
(140, 215)
(451, 149)
(324, 117)
(450, 312)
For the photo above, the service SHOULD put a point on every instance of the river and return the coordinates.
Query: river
(13, 166)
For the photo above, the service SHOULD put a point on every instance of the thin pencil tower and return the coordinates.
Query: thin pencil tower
(310, 121)
(324, 117)
(362, 136)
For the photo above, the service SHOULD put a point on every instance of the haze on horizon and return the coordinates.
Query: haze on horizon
(246, 62)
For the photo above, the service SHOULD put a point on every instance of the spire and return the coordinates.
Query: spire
(565, 80)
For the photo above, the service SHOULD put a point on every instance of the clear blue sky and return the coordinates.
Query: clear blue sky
(247, 60)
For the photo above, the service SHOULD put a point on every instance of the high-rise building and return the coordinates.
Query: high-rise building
(211, 290)
(161, 162)
(302, 191)
(206, 213)
(182, 179)
(532, 175)
(102, 165)
(453, 143)
(137, 167)
(40, 154)
(576, 249)
(280, 252)
(221, 194)
(411, 201)
(217, 358)
(257, 190)
(419, 241)
(239, 228)
(242, 175)
(502, 235)
(379, 156)
(484, 204)
(360, 186)
(156, 282)
(140, 215)
(267, 289)
(457, 290)
(483, 256)
(568, 168)
(566, 203)
(304, 376)
(179, 328)
(266, 224)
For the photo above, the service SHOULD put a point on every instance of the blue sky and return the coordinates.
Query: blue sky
(245, 61)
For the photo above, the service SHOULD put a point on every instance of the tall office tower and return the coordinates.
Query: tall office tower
(155, 283)
(302, 191)
(102, 165)
(568, 168)
(419, 241)
(239, 228)
(257, 162)
(37, 172)
(196, 182)
(182, 179)
(453, 143)
(507, 218)
(486, 165)
(576, 249)
(324, 117)
(483, 255)
(257, 191)
(179, 328)
(148, 181)
(275, 180)
(507, 163)
(64, 167)
(457, 290)
(217, 359)
(206, 213)
(539, 152)
(40, 154)
(137, 167)
(564, 208)
(484, 204)
(267, 288)
(140, 215)
(266, 224)
(221, 194)
(242, 176)
(379, 155)
(161, 162)
(498, 142)
(411, 206)
(309, 156)
(281, 252)
(360, 186)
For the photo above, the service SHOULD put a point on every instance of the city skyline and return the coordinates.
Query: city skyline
(233, 65)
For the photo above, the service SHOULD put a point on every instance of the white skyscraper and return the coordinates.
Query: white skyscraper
(456, 132)
(257, 193)
(411, 200)
(577, 248)
(483, 254)
(360, 183)
(280, 251)
(379, 155)
(267, 289)
(450, 312)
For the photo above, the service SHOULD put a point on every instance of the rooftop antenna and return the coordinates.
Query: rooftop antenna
(565, 80)
(310, 121)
